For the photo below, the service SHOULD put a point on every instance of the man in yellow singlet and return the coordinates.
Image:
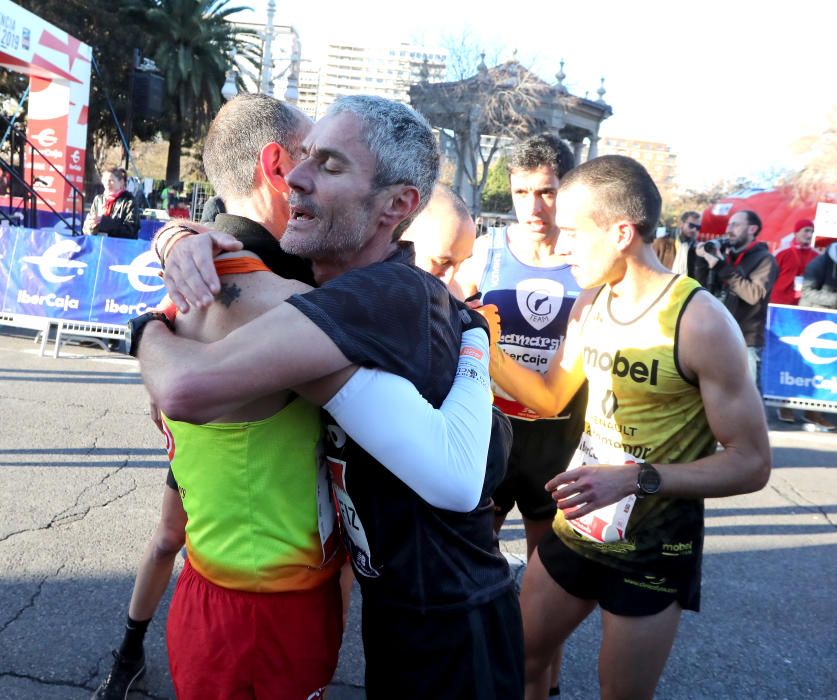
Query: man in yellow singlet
(628, 533)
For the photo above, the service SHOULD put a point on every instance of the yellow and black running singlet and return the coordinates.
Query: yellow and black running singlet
(642, 408)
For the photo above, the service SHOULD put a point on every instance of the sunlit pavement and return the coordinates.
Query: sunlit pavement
(81, 477)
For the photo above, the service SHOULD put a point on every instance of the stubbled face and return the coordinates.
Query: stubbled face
(690, 227)
(739, 231)
(288, 161)
(534, 196)
(112, 184)
(804, 236)
(333, 209)
(590, 250)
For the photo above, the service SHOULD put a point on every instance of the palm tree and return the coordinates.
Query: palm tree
(193, 46)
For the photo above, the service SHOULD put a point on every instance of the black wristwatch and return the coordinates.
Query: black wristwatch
(137, 325)
(648, 481)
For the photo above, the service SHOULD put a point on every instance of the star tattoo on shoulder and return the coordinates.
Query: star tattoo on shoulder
(229, 293)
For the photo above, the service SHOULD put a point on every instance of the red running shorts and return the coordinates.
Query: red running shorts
(229, 645)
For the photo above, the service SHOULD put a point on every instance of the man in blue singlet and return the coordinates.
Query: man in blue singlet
(521, 270)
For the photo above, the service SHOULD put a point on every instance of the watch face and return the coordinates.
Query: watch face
(649, 479)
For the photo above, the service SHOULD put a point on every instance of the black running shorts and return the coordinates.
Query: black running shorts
(460, 654)
(540, 450)
(619, 592)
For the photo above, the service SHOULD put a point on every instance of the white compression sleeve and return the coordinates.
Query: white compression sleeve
(440, 454)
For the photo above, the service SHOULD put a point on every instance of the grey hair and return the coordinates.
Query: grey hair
(240, 130)
(405, 149)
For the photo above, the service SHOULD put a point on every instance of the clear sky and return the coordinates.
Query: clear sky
(730, 86)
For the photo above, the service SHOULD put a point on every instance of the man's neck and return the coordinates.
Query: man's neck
(327, 269)
(640, 281)
(743, 246)
(254, 209)
(533, 248)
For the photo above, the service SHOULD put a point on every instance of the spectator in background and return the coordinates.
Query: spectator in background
(677, 252)
(211, 208)
(745, 278)
(792, 262)
(819, 289)
(113, 213)
(819, 283)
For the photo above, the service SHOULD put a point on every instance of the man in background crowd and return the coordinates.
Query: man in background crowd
(677, 252)
(520, 268)
(792, 262)
(743, 280)
(819, 282)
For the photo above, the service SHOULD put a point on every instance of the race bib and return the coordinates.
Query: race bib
(326, 515)
(608, 524)
(357, 541)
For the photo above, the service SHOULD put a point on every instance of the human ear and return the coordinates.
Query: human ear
(273, 166)
(400, 204)
(624, 234)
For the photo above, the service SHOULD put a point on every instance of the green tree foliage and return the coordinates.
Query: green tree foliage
(193, 46)
(191, 42)
(496, 195)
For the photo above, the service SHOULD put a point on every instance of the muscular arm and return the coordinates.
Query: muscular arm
(440, 454)
(197, 382)
(732, 404)
(753, 288)
(733, 408)
(549, 393)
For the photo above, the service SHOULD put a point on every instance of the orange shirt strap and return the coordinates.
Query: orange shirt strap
(239, 266)
(224, 266)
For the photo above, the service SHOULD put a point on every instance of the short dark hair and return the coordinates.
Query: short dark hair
(240, 130)
(622, 189)
(752, 220)
(686, 215)
(540, 150)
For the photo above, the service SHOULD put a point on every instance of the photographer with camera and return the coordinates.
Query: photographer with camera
(744, 273)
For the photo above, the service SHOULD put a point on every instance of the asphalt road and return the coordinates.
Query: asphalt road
(81, 477)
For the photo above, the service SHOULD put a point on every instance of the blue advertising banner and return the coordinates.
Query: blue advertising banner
(52, 275)
(129, 282)
(8, 241)
(81, 278)
(800, 355)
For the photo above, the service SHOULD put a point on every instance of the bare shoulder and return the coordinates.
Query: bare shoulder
(243, 297)
(257, 293)
(708, 336)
